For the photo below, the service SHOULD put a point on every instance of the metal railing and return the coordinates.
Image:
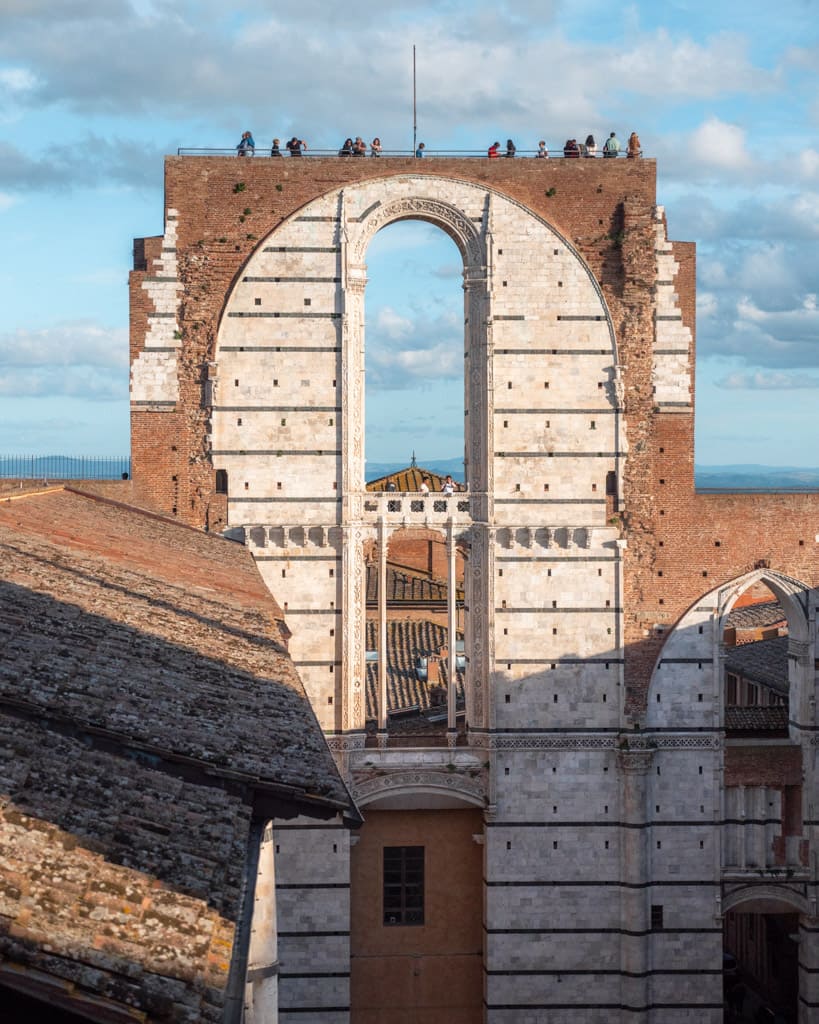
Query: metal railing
(312, 154)
(65, 467)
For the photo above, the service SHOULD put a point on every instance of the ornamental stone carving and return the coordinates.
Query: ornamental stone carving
(454, 783)
(452, 220)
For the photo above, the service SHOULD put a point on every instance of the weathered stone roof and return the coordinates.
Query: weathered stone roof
(157, 637)
(756, 616)
(757, 719)
(406, 639)
(405, 586)
(764, 661)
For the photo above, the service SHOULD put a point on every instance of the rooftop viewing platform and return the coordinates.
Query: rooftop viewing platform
(463, 154)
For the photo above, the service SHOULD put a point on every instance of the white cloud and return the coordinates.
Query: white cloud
(718, 144)
(392, 325)
(17, 79)
(80, 343)
(809, 164)
(759, 380)
(707, 305)
(78, 382)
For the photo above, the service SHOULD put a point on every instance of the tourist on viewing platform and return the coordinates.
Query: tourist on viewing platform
(510, 148)
(571, 150)
(295, 146)
(359, 147)
(419, 153)
(611, 147)
(542, 151)
(347, 148)
(448, 486)
(634, 149)
(424, 488)
(590, 148)
(375, 147)
(274, 149)
(246, 147)
(494, 150)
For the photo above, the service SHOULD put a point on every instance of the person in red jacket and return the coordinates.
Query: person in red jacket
(494, 150)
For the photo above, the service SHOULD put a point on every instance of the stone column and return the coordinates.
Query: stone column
(808, 969)
(452, 626)
(351, 392)
(382, 632)
(353, 589)
(635, 921)
(262, 983)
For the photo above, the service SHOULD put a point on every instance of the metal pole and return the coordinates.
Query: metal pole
(414, 107)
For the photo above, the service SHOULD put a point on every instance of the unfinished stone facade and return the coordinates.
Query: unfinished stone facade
(597, 581)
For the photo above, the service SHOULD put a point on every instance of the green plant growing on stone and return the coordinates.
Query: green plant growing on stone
(551, 192)
(246, 212)
(279, 187)
(240, 186)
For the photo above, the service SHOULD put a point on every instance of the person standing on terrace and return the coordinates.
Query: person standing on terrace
(510, 148)
(611, 147)
(634, 150)
(493, 151)
(419, 153)
(542, 151)
(295, 146)
(246, 146)
(375, 147)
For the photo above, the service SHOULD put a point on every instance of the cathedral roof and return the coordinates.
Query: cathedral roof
(764, 662)
(157, 636)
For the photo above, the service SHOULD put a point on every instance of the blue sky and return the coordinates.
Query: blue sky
(93, 93)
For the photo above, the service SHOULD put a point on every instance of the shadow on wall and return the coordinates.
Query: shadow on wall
(142, 751)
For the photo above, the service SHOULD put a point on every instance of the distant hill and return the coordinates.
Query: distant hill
(455, 467)
(756, 478)
(728, 478)
(64, 467)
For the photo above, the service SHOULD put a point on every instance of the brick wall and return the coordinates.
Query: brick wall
(680, 544)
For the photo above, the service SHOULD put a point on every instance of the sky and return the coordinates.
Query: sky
(93, 94)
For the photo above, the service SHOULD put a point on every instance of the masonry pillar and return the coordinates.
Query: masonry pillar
(634, 766)
(808, 970)
(382, 632)
(452, 628)
(262, 985)
(353, 628)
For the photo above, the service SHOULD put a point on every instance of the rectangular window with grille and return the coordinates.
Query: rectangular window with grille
(403, 885)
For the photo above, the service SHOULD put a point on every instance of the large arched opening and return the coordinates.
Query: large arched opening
(761, 963)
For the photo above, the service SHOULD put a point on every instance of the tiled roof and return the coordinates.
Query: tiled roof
(408, 479)
(764, 661)
(407, 587)
(757, 719)
(756, 616)
(154, 636)
(406, 638)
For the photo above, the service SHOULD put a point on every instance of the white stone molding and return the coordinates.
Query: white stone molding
(468, 788)
(448, 217)
(767, 890)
